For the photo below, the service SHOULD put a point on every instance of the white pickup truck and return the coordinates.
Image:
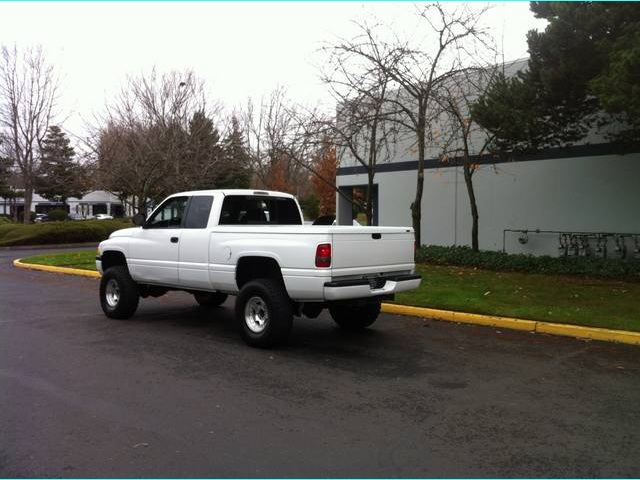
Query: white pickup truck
(253, 244)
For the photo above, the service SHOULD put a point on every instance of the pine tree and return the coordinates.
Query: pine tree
(60, 176)
(202, 158)
(583, 71)
(5, 171)
(234, 170)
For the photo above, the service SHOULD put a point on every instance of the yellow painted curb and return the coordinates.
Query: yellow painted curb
(493, 321)
(603, 334)
(473, 318)
(622, 336)
(417, 311)
(49, 268)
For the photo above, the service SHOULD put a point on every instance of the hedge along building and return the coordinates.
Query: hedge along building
(575, 200)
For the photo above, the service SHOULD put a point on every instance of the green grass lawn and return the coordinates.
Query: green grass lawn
(83, 259)
(554, 298)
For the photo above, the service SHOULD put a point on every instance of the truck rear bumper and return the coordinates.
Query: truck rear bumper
(378, 286)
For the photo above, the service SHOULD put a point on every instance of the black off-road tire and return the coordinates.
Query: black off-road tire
(119, 294)
(210, 299)
(355, 316)
(264, 313)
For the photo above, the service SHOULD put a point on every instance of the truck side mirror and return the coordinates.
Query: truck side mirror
(139, 219)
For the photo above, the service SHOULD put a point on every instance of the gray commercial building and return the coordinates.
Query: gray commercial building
(575, 200)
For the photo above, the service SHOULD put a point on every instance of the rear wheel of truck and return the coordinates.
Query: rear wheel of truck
(264, 313)
(119, 295)
(355, 316)
(210, 300)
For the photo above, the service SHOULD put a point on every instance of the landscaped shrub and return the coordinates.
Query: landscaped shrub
(58, 215)
(627, 269)
(59, 232)
(4, 220)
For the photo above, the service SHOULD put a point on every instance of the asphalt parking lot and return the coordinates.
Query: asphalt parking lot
(174, 392)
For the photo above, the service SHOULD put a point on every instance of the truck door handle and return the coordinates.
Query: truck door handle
(174, 239)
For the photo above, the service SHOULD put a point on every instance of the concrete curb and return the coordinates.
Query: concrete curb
(48, 268)
(603, 334)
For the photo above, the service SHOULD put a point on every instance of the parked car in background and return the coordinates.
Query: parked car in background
(41, 217)
(103, 216)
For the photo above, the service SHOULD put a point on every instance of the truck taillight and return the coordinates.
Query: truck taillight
(323, 255)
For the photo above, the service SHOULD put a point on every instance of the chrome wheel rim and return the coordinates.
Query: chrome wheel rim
(112, 293)
(256, 314)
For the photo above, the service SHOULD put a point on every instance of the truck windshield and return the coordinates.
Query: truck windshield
(259, 210)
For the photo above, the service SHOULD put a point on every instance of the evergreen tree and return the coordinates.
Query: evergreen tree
(5, 171)
(202, 158)
(60, 176)
(585, 64)
(234, 171)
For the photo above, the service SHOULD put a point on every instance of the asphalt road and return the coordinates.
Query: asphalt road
(174, 392)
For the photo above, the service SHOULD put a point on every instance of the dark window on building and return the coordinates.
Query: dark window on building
(259, 210)
(99, 208)
(198, 212)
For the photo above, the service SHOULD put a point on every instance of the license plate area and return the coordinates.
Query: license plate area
(376, 282)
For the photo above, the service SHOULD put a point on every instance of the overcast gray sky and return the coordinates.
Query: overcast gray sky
(240, 49)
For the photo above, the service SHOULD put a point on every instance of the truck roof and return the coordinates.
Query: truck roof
(233, 191)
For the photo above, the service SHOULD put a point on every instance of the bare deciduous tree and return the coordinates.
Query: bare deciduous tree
(157, 137)
(462, 140)
(28, 95)
(360, 132)
(279, 142)
(451, 37)
(283, 139)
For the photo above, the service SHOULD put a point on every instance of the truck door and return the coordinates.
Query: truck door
(154, 251)
(193, 265)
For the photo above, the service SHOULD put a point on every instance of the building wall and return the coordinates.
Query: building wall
(578, 194)
(589, 187)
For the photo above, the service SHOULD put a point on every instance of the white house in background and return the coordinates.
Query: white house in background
(98, 201)
(574, 200)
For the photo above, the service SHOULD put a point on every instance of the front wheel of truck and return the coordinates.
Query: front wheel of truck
(119, 294)
(264, 313)
(355, 316)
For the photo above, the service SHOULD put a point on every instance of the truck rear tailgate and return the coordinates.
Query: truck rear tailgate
(372, 250)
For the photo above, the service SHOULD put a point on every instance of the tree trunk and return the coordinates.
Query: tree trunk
(472, 201)
(368, 205)
(371, 171)
(416, 206)
(141, 206)
(28, 197)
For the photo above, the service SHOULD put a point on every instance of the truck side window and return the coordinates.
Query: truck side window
(169, 214)
(198, 212)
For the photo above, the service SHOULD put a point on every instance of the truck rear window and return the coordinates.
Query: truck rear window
(259, 210)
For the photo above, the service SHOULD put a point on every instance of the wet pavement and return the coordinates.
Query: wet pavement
(174, 392)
